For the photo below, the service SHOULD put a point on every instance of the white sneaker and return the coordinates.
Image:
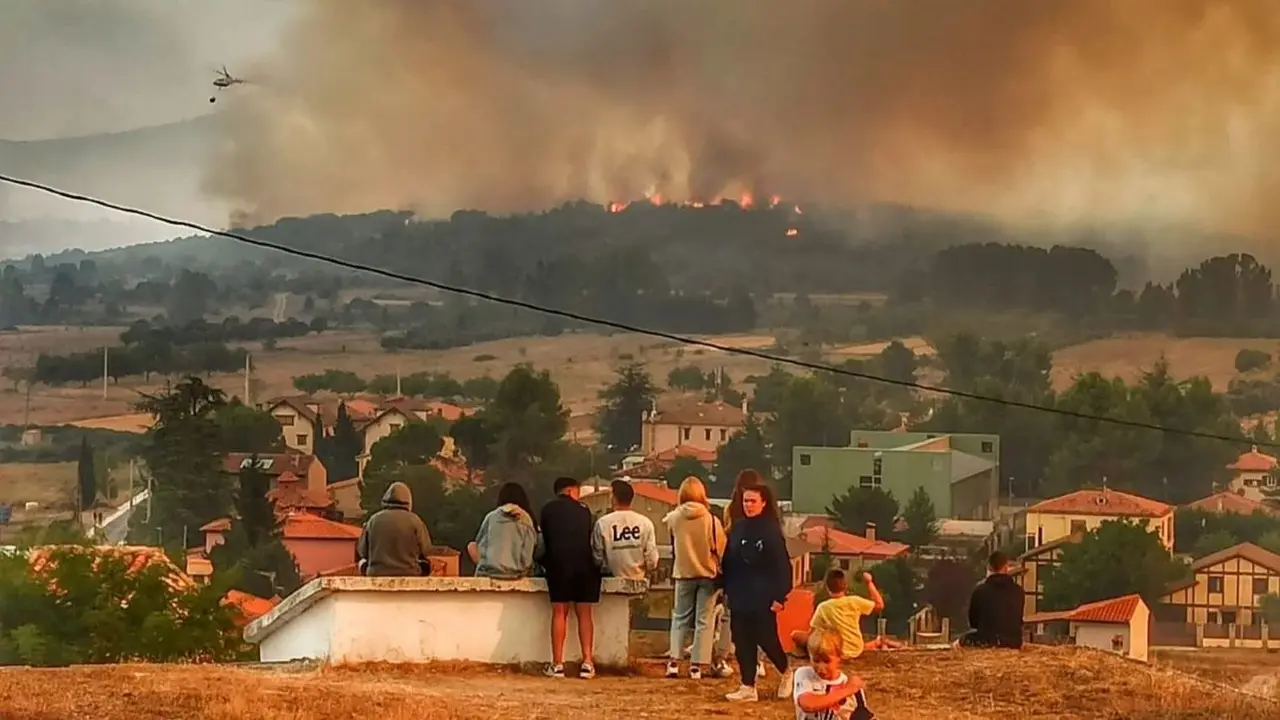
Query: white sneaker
(787, 684)
(587, 672)
(721, 670)
(554, 671)
(743, 694)
(760, 671)
(695, 672)
(673, 670)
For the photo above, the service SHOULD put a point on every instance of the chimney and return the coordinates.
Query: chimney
(871, 531)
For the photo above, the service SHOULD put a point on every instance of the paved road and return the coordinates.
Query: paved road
(116, 525)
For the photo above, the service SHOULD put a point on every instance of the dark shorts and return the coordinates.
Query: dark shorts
(581, 587)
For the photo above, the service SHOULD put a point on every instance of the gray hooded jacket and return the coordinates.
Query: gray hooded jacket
(506, 544)
(394, 542)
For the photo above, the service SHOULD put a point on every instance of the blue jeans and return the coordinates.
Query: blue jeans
(694, 605)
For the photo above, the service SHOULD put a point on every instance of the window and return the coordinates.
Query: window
(806, 459)
(302, 439)
(1271, 481)
(1031, 542)
(868, 481)
(1215, 583)
(988, 447)
(1260, 586)
(284, 420)
(1079, 526)
(724, 435)
(395, 426)
(877, 466)
(1228, 617)
(1212, 617)
(685, 432)
(707, 433)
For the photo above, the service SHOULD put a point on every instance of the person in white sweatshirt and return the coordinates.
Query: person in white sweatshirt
(624, 542)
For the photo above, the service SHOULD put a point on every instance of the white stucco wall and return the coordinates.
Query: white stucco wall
(407, 620)
(1098, 635)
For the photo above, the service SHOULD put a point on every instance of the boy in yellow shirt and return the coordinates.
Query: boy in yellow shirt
(841, 615)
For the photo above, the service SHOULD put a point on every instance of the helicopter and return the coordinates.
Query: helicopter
(224, 80)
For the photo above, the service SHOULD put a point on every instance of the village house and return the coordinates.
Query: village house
(656, 466)
(849, 552)
(1120, 625)
(316, 543)
(1030, 570)
(1254, 474)
(1084, 510)
(1225, 588)
(299, 420)
(395, 414)
(297, 481)
(1230, 501)
(691, 422)
(960, 472)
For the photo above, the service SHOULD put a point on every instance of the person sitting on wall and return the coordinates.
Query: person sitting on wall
(995, 609)
(394, 541)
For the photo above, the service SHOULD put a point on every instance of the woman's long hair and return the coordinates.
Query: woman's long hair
(693, 491)
(513, 493)
(746, 479)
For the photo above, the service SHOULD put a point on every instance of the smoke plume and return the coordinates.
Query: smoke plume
(1052, 109)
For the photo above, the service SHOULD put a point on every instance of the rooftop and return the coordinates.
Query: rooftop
(1253, 461)
(1108, 502)
(1230, 502)
(839, 542)
(693, 410)
(1113, 611)
(1066, 683)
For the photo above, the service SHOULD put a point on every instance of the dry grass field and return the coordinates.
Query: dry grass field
(52, 485)
(1127, 356)
(582, 363)
(1035, 684)
(1255, 671)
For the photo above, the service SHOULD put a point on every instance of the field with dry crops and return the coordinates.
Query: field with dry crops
(1036, 683)
(583, 363)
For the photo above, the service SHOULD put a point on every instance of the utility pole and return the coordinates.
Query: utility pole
(397, 379)
(247, 401)
(26, 413)
(105, 370)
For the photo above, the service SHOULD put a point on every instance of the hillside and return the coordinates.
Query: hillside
(1063, 683)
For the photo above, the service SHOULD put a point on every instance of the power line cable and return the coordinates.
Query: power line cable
(625, 327)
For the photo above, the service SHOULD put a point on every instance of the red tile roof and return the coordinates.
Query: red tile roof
(219, 525)
(692, 410)
(838, 542)
(290, 493)
(270, 463)
(1253, 461)
(654, 491)
(250, 607)
(1230, 502)
(137, 558)
(1103, 502)
(305, 526)
(1115, 611)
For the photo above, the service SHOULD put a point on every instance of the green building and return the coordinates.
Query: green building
(961, 471)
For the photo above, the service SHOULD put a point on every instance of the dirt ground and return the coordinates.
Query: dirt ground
(1036, 683)
(1255, 671)
(1128, 355)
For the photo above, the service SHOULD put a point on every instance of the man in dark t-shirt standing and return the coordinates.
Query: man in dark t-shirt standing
(573, 578)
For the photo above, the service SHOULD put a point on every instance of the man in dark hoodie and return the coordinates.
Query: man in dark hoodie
(394, 542)
(995, 608)
(573, 577)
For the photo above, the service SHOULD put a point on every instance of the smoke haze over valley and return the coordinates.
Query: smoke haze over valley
(1147, 112)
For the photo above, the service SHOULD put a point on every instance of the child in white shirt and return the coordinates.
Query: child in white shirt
(822, 691)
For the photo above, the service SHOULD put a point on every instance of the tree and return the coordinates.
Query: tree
(343, 448)
(1248, 360)
(1211, 543)
(1271, 608)
(897, 582)
(526, 418)
(947, 587)
(474, 438)
(625, 402)
(1270, 540)
(182, 453)
(84, 606)
(1116, 558)
(685, 467)
(745, 449)
(921, 520)
(86, 477)
(425, 482)
(686, 378)
(255, 512)
(858, 507)
(898, 362)
(248, 430)
(414, 443)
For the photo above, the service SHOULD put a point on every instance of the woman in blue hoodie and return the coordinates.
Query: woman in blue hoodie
(508, 538)
(757, 580)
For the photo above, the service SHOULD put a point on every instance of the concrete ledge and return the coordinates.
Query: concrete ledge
(421, 619)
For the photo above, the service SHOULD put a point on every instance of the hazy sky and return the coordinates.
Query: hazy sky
(76, 67)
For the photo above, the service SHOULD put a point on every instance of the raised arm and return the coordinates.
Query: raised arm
(649, 543)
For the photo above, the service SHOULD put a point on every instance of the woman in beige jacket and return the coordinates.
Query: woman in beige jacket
(698, 541)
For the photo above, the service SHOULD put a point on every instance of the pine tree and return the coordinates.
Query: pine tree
(343, 448)
(254, 510)
(87, 481)
(921, 519)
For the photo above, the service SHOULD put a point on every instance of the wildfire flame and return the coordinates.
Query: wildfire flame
(746, 200)
(617, 207)
(792, 232)
(774, 200)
